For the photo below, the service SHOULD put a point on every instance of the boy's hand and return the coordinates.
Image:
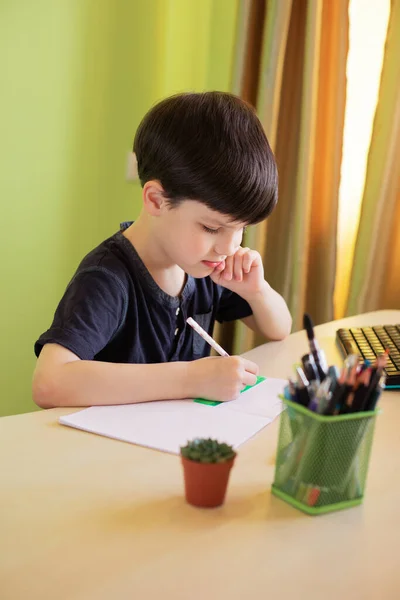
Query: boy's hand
(220, 377)
(242, 273)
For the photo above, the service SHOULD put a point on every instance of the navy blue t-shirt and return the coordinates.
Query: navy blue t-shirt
(114, 311)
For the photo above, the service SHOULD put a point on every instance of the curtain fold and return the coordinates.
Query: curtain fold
(298, 86)
(375, 281)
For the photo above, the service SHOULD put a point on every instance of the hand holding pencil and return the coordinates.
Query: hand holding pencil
(221, 377)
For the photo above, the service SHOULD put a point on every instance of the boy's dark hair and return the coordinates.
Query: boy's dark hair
(209, 147)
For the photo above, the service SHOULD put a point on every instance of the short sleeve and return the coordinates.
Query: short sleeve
(89, 314)
(232, 307)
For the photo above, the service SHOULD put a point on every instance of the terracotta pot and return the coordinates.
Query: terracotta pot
(206, 483)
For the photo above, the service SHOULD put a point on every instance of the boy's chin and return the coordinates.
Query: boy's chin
(199, 271)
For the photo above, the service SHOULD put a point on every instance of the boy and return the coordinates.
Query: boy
(119, 334)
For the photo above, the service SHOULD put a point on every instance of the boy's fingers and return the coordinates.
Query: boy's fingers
(238, 267)
(250, 366)
(249, 378)
(247, 261)
(228, 268)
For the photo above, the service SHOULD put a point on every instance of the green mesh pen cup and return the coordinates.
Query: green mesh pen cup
(322, 461)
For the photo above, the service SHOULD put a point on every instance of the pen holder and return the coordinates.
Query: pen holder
(322, 461)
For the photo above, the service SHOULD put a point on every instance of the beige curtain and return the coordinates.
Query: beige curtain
(291, 65)
(375, 281)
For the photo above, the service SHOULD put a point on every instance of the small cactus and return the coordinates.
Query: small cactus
(207, 451)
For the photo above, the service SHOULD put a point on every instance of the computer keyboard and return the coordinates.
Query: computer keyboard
(369, 342)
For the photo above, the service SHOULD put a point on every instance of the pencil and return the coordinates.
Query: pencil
(206, 337)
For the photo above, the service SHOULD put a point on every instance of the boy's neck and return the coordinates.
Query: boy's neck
(168, 276)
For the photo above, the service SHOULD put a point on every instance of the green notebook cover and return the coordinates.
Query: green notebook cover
(215, 402)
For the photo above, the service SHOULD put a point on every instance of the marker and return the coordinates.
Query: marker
(337, 394)
(367, 363)
(312, 389)
(320, 402)
(313, 495)
(350, 389)
(206, 337)
(309, 367)
(323, 403)
(292, 389)
(316, 351)
(302, 492)
(351, 361)
(302, 394)
(377, 394)
(334, 374)
(376, 374)
(362, 390)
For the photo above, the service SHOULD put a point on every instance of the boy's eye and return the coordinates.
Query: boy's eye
(208, 230)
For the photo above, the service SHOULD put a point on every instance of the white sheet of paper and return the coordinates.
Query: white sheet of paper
(262, 400)
(167, 425)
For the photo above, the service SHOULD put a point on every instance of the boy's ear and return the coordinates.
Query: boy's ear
(153, 198)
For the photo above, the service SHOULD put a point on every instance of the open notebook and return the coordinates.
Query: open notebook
(168, 425)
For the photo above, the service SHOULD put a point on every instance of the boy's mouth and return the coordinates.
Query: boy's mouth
(210, 264)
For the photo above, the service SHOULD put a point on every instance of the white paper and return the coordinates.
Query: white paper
(168, 425)
(262, 399)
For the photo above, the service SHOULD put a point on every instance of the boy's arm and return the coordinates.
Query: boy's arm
(62, 379)
(270, 316)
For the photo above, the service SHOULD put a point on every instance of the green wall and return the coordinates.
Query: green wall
(77, 76)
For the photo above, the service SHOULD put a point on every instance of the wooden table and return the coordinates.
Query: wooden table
(85, 517)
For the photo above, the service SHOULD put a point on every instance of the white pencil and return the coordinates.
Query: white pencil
(206, 337)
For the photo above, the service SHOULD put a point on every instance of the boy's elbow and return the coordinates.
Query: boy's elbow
(278, 337)
(283, 332)
(43, 392)
(288, 328)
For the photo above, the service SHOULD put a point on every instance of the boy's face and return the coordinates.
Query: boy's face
(197, 238)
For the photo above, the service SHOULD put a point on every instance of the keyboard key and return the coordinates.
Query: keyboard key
(371, 336)
(391, 346)
(393, 373)
(379, 331)
(391, 329)
(351, 347)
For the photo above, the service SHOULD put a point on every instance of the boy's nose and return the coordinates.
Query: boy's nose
(226, 248)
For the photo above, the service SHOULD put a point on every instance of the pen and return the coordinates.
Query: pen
(206, 337)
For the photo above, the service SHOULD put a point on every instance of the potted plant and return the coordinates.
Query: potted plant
(206, 466)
